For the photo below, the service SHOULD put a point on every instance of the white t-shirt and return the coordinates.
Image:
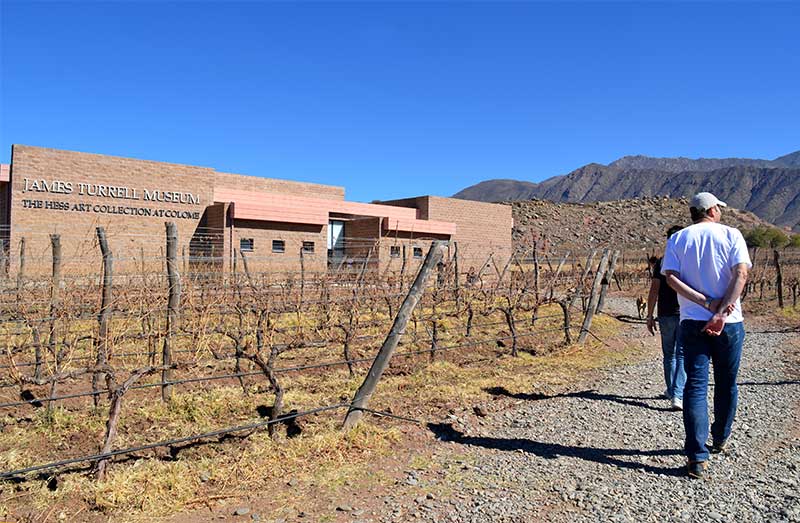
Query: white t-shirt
(704, 255)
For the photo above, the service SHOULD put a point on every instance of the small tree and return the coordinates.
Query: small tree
(764, 236)
(778, 239)
(756, 237)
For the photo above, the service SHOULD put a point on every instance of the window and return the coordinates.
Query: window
(278, 246)
(417, 252)
(308, 247)
(394, 251)
(246, 244)
(336, 238)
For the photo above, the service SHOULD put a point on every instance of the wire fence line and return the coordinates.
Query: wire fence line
(281, 370)
(101, 337)
(167, 443)
(313, 343)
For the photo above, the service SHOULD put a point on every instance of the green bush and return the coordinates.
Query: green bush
(763, 236)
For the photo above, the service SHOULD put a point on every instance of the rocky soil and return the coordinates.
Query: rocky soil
(610, 450)
(632, 223)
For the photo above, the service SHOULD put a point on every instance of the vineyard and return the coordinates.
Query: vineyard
(111, 357)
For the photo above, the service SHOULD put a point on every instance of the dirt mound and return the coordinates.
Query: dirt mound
(639, 223)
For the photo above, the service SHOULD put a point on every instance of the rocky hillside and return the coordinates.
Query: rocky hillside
(768, 188)
(680, 164)
(639, 223)
(790, 160)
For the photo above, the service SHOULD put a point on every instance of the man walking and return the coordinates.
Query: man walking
(707, 264)
(668, 322)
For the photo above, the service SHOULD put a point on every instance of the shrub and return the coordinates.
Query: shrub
(763, 236)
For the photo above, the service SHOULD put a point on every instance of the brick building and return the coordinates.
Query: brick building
(273, 223)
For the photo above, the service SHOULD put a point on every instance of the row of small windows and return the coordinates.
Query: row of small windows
(278, 246)
(394, 251)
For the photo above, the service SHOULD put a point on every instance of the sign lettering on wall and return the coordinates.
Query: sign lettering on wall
(96, 190)
(109, 191)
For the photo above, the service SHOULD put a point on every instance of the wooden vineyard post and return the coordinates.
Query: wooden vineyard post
(778, 277)
(593, 297)
(55, 290)
(21, 271)
(386, 351)
(246, 268)
(565, 309)
(3, 259)
(456, 288)
(403, 269)
(105, 313)
(556, 275)
(172, 309)
(302, 275)
(586, 269)
(535, 272)
(606, 282)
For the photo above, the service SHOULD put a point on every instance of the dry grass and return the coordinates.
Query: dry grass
(321, 459)
(790, 314)
(150, 488)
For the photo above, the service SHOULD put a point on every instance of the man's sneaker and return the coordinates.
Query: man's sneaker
(719, 447)
(666, 394)
(677, 403)
(697, 469)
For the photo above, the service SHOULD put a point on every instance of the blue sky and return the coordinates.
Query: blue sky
(401, 99)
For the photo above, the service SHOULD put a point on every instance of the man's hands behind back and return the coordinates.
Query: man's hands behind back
(715, 325)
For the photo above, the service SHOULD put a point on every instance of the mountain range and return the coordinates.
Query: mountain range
(768, 188)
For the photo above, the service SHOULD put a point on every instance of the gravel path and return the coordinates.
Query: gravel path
(612, 451)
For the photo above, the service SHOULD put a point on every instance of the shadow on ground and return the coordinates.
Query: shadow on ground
(611, 457)
(592, 395)
(768, 383)
(625, 318)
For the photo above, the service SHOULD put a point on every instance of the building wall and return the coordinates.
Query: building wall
(45, 198)
(360, 236)
(481, 228)
(5, 200)
(407, 246)
(420, 203)
(263, 259)
(63, 210)
(210, 245)
(275, 186)
(5, 187)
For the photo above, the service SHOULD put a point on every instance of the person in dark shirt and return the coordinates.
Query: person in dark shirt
(667, 324)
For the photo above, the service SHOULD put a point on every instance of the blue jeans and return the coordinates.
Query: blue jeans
(674, 374)
(724, 351)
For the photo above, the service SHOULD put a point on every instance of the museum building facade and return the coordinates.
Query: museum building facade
(277, 224)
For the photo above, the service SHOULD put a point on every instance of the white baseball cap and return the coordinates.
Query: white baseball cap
(705, 200)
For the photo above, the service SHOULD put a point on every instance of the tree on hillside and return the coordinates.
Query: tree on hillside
(763, 236)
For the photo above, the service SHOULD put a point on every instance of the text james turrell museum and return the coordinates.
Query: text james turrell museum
(44, 188)
(219, 215)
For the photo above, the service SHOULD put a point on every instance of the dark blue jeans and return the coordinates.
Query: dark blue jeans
(674, 375)
(724, 351)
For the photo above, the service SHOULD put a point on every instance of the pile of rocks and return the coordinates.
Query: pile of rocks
(624, 224)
